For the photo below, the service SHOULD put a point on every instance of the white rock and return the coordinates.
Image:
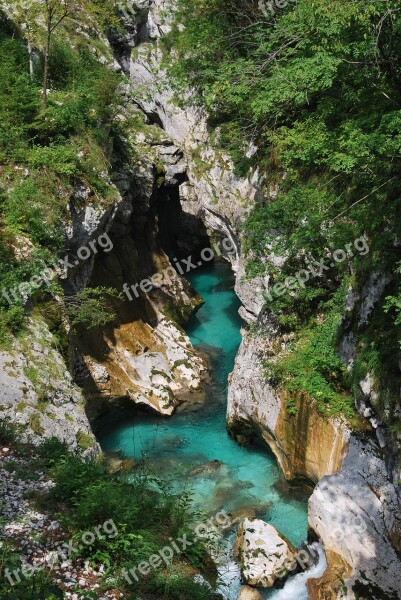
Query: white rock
(249, 593)
(354, 513)
(263, 553)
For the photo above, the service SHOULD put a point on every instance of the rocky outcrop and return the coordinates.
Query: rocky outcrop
(144, 355)
(306, 444)
(153, 367)
(330, 584)
(355, 509)
(38, 394)
(356, 513)
(212, 192)
(264, 555)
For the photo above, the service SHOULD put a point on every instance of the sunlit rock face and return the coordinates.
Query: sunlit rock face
(144, 355)
(249, 593)
(263, 553)
(306, 444)
(38, 393)
(212, 191)
(357, 515)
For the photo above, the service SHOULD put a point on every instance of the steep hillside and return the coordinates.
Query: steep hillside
(135, 137)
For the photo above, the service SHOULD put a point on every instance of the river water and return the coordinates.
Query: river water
(193, 450)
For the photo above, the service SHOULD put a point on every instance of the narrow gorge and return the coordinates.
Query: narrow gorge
(199, 314)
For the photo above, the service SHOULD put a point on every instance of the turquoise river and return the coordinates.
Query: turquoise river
(193, 450)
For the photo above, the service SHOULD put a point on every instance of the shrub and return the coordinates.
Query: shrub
(12, 321)
(90, 308)
(8, 431)
(312, 365)
(52, 451)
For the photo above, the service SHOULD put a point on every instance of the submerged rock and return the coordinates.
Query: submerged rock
(208, 468)
(264, 554)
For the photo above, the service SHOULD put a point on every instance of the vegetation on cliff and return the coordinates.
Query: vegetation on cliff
(61, 139)
(46, 154)
(310, 94)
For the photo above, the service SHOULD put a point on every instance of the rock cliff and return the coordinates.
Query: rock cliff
(307, 445)
(145, 355)
(356, 512)
(355, 508)
(38, 393)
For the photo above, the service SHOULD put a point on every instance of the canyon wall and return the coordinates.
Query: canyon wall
(355, 508)
(145, 354)
(178, 192)
(306, 444)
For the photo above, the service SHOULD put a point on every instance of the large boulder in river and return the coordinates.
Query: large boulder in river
(264, 554)
(249, 593)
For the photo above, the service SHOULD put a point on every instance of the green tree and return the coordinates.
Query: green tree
(39, 20)
(90, 307)
(315, 87)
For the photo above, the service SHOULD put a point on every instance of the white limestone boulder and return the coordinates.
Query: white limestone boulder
(264, 554)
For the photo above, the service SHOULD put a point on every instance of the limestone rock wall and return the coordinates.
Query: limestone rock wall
(306, 444)
(212, 192)
(145, 355)
(38, 393)
(356, 513)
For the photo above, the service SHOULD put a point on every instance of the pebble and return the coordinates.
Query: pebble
(26, 526)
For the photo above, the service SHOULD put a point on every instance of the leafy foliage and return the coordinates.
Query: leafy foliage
(315, 88)
(46, 154)
(145, 513)
(90, 307)
(311, 366)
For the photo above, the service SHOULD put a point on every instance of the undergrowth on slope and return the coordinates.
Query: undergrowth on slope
(145, 511)
(46, 155)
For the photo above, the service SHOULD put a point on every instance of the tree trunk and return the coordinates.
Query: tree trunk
(30, 56)
(46, 69)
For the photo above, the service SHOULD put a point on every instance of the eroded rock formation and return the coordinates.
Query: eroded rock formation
(306, 444)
